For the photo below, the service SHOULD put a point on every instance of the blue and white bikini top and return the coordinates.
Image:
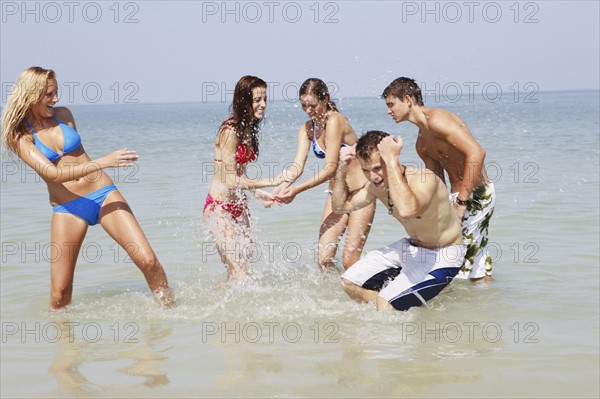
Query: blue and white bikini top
(72, 141)
(317, 150)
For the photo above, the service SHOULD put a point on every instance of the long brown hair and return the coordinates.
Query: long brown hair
(319, 89)
(27, 91)
(245, 124)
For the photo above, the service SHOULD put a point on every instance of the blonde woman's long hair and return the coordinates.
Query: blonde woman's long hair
(27, 91)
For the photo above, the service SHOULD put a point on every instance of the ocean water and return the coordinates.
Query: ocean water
(291, 331)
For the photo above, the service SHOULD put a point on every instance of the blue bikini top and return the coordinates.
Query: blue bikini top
(72, 141)
(317, 150)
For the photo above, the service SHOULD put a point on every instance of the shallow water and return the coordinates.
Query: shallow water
(291, 331)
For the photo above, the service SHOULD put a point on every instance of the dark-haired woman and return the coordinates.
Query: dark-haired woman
(226, 208)
(324, 133)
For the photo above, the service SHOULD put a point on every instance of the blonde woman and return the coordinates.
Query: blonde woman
(45, 138)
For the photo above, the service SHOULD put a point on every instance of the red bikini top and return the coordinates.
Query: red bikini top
(242, 155)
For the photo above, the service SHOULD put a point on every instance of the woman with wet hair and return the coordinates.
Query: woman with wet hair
(226, 207)
(325, 132)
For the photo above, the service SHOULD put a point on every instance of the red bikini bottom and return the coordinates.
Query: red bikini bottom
(235, 209)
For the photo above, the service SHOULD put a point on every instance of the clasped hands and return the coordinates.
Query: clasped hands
(389, 148)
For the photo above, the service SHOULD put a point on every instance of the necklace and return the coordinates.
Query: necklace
(390, 204)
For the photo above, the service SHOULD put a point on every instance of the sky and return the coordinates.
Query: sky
(120, 52)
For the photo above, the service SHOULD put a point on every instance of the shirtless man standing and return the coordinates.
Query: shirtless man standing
(413, 270)
(446, 144)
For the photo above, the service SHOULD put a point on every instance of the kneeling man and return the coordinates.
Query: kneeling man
(415, 269)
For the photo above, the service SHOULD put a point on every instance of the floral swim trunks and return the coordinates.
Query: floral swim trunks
(475, 223)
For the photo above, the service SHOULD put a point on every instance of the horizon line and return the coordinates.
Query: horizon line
(284, 100)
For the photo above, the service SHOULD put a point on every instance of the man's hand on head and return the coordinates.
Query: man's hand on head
(390, 148)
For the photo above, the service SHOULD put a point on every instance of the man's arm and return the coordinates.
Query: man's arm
(342, 200)
(409, 200)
